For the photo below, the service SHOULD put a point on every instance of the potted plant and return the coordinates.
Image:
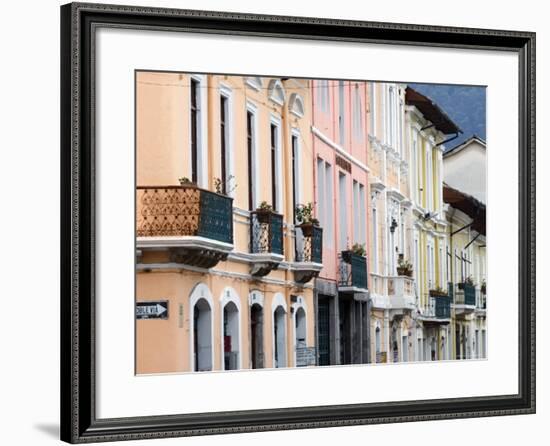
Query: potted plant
(468, 281)
(264, 211)
(404, 267)
(357, 249)
(224, 188)
(304, 216)
(184, 181)
(438, 292)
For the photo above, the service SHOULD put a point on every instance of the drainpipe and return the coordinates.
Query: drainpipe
(449, 139)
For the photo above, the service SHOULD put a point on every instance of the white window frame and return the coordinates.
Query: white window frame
(230, 295)
(202, 130)
(253, 109)
(297, 188)
(227, 93)
(276, 121)
(279, 301)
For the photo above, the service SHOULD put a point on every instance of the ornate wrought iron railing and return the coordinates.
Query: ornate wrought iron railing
(309, 244)
(266, 233)
(352, 270)
(184, 211)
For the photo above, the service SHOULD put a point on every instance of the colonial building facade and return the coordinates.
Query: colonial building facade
(341, 189)
(393, 294)
(222, 164)
(464, 196)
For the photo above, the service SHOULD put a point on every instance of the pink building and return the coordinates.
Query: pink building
(341, 180)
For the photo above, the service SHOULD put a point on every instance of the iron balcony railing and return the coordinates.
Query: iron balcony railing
(481, 300)
(266, 233)
(464, 294)
(439, 307)
(309, 244)
(185, 210)
(352, 270)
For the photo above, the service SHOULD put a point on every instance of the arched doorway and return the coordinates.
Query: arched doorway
(300, 331)
(202, 336)
(256, 336)
(279, 337)
(231, 352)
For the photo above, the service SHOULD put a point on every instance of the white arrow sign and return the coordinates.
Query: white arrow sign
(154, 310)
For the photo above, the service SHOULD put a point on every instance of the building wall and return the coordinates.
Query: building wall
(473, 178)
(164, 156)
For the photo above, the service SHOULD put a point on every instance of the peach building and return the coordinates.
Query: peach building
(341, 191)
(224, 264)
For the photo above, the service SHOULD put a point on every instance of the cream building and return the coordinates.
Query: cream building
(466, 239)
(393, 294)
(222, 163)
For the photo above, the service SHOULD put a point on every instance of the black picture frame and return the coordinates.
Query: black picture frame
(78, 25)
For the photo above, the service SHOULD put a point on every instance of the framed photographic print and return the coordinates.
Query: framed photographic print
(282, 222)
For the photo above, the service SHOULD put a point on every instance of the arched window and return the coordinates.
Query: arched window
(296, 105)
(279, 311)
(299, 311)
(254, 82)
(276, 92)
(230, 329)
(256, 302)
(201, 329)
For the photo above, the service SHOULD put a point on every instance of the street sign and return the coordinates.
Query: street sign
(152, 310)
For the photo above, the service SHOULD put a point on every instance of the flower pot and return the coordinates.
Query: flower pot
(263, 215)
(307, 229)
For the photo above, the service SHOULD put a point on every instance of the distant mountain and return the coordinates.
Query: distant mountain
(466, 106)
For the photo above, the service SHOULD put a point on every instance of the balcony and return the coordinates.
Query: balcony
(438, 310)
(481, 302)
(309, 252)
(352, 273)
(194, 224)
(401, 292)
(464, 297)
(266, 242)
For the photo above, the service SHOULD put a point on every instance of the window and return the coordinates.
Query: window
(295, 174)
(359, 223)
(429, 178)
(224, 129)
(250, 134)
(325, 200)
(357, 114)
(400, 128)
(342, 112)
(391, 116)
(375, 239)
(322, 95)
(342, 211)
(194, 129)
(372, 109)
(414, 168)
(275, 141)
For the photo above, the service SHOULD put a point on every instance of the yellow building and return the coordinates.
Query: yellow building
(428, 130)
(392, 288)
(223, 274)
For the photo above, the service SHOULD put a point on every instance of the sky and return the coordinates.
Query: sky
(465, 105)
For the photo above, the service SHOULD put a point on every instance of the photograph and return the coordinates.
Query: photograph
(292, 222)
